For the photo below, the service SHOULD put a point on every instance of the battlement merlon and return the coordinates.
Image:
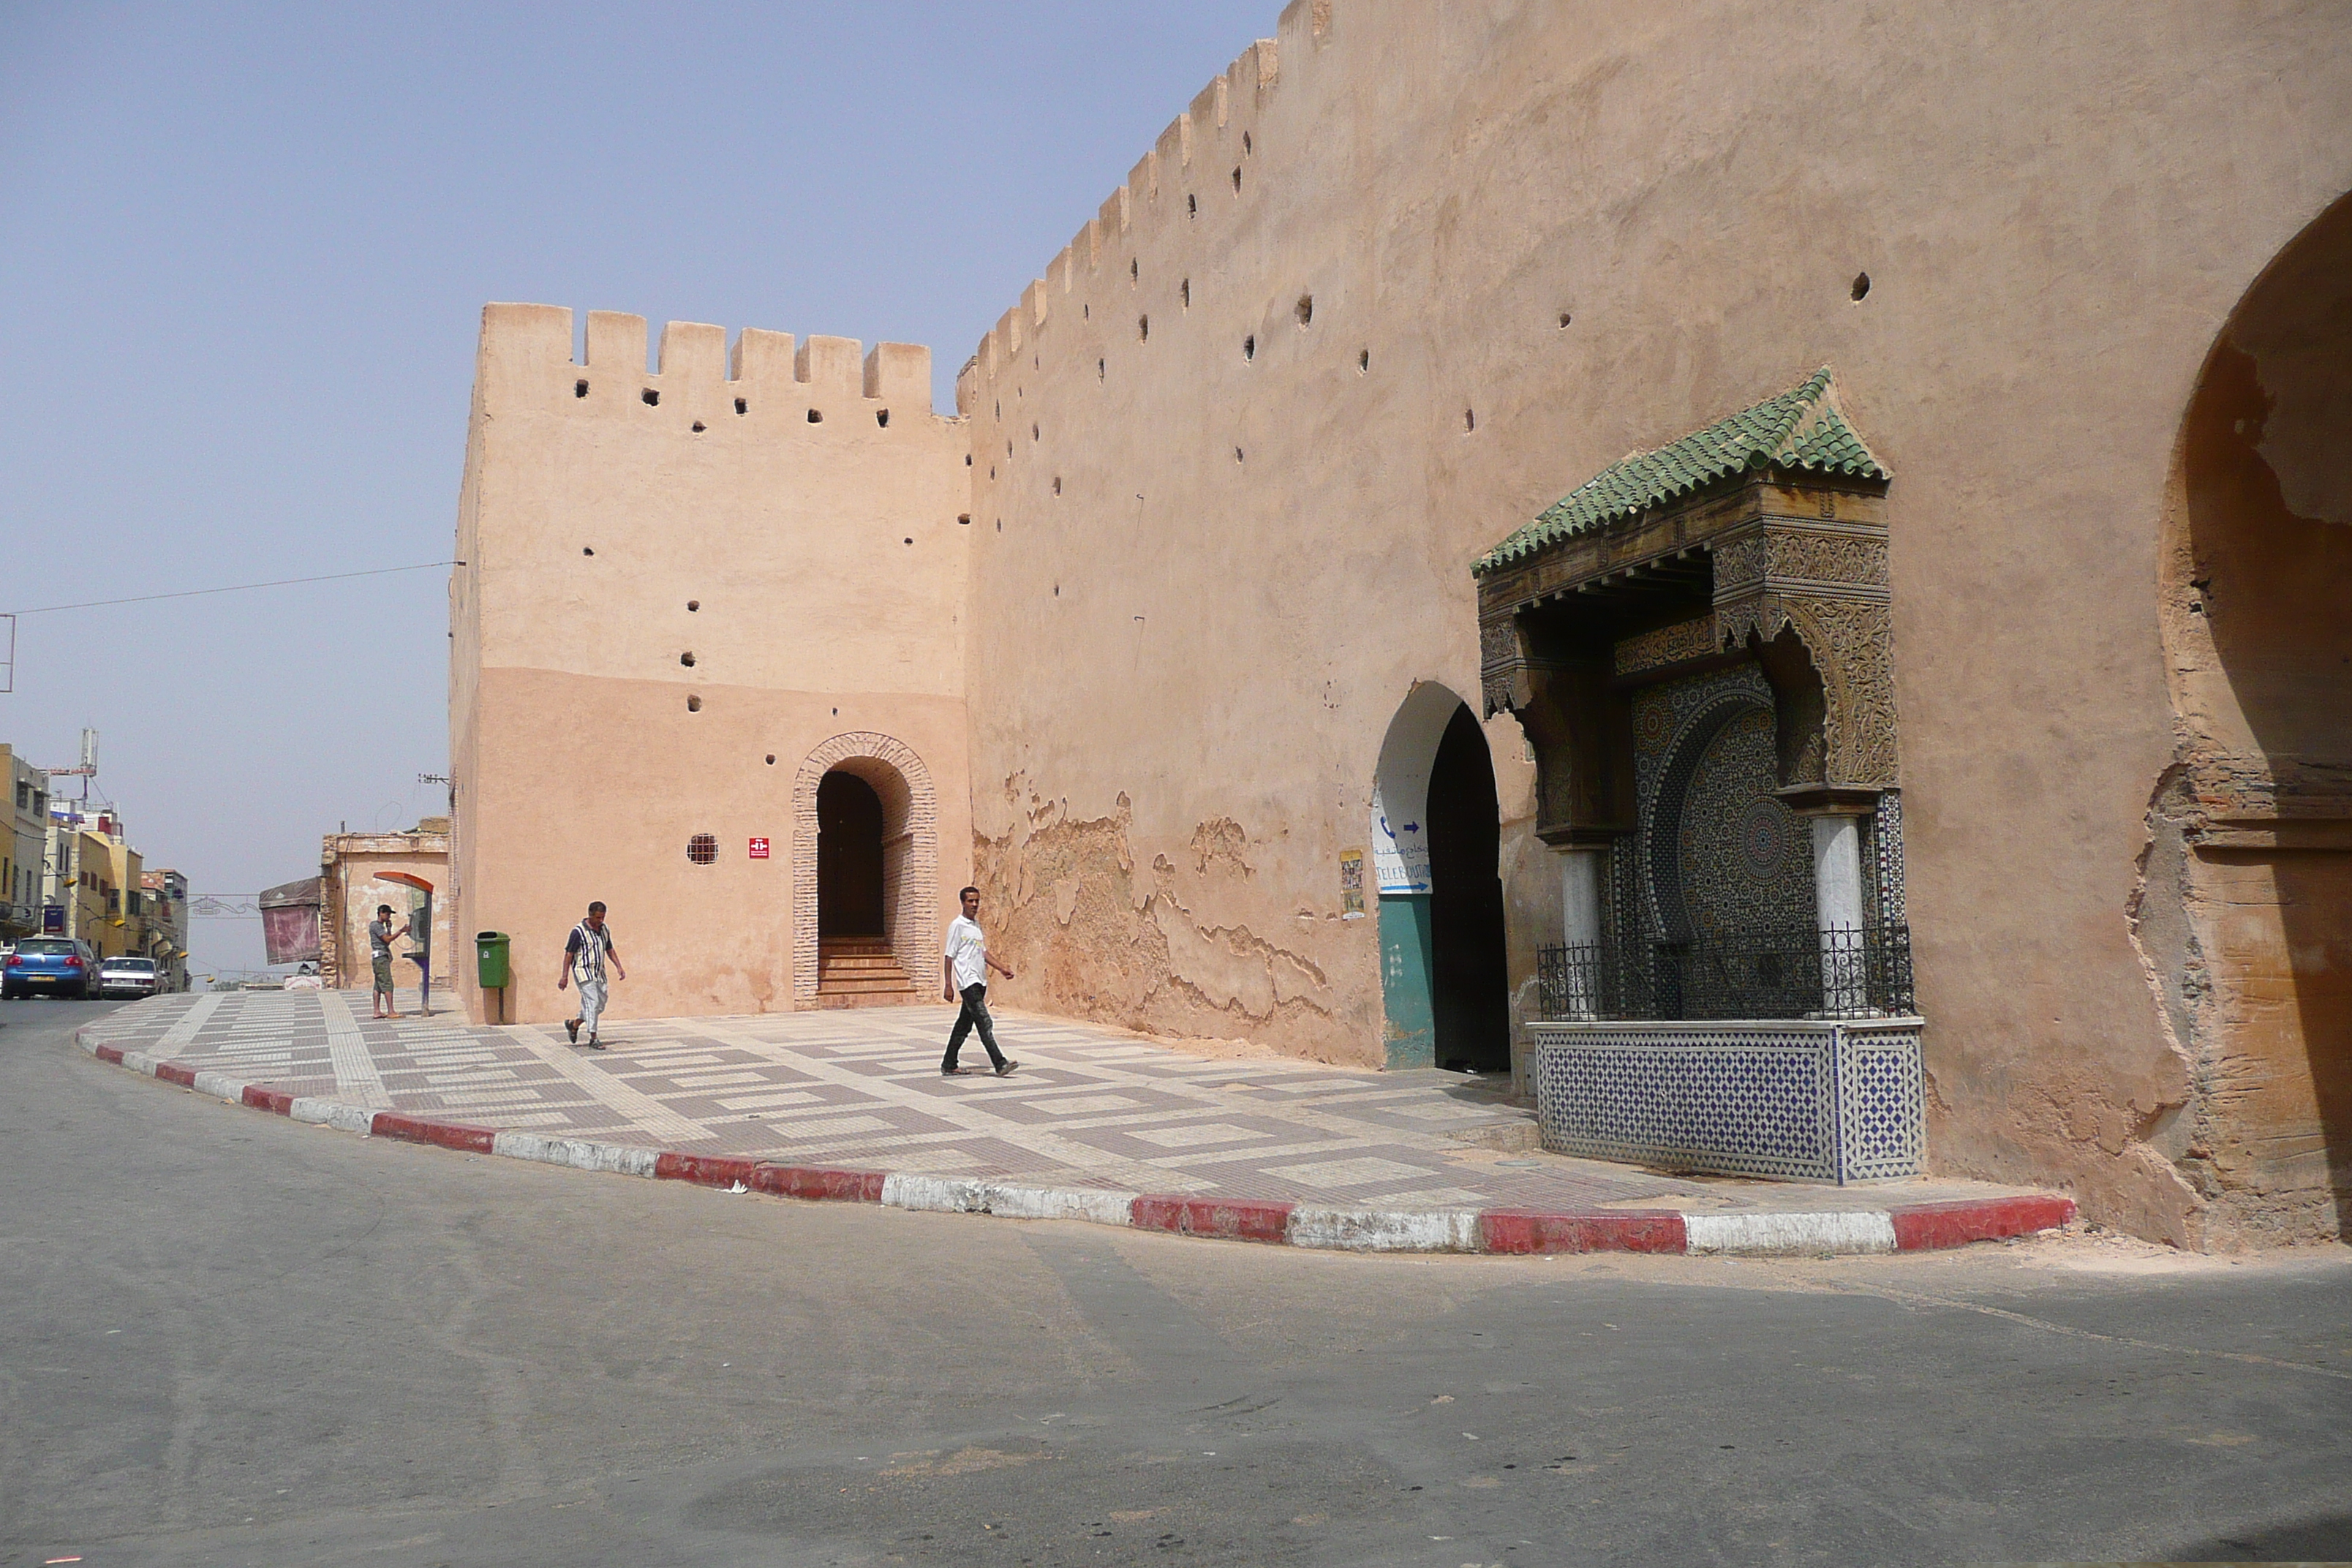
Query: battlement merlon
(1217, 114)
(526, 352)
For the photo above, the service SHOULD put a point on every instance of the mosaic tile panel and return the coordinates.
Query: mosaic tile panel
(1675, 724)
(1799, 1100)
(1746, 860)
(1882, 1131)
(1886, 858)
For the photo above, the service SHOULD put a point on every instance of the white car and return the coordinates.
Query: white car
(126, 977)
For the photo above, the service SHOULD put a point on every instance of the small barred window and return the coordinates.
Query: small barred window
(702, 849)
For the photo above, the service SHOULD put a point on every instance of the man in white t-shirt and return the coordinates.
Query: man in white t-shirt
(964, 971)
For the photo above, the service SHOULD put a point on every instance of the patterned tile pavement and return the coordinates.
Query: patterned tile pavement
(1090, 1107)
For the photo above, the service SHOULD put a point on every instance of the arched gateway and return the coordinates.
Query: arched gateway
(874, 887)
(2245, 911)
(1435, 833)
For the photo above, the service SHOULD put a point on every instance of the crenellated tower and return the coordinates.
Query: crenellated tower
(689, 596)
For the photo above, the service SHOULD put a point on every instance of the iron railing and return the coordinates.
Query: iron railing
(1797, 973)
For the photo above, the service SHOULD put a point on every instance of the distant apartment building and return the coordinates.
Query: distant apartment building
(163, 915)
(92, 888)
(23, 847)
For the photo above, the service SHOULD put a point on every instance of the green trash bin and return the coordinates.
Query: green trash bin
(490, 953)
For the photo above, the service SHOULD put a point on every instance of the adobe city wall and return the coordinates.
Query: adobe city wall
(1405, 275)
(679, 586)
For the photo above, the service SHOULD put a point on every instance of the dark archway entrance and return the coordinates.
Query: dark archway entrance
(849, 869)
(1469, 981)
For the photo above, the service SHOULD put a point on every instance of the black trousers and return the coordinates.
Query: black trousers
(974, 1015)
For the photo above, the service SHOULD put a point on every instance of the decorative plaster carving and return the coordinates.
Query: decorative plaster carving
(1824, 579)
(1667, 644)
(1849, 632)
(1741, 563)
(1502, 664)
(1852, 642)
(1498, 642)
(1828, 557)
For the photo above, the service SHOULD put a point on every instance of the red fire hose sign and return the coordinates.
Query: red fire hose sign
(759, 850)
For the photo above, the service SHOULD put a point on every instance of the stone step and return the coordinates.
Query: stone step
(909, 997)
(859, 971)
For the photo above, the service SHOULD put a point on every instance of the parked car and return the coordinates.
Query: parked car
(127, 977)
(53, 965)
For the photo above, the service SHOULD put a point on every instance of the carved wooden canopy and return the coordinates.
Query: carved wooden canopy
(1762, 536)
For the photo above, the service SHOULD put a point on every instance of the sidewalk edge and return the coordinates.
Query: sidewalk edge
(1495, 1232)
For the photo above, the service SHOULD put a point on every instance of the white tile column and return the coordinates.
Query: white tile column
(1580, 911)
(1837, 897)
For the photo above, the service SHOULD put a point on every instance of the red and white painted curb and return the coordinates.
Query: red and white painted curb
(1909, 1228)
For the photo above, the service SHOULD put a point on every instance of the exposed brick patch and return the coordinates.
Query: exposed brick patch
(1632, 1230)
(1233, 1219)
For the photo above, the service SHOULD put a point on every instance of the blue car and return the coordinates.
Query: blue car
(57, 965)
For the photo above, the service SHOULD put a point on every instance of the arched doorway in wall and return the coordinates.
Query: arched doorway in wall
(864, 873)
(849, 886)
(2252, 830)
(1435, 831)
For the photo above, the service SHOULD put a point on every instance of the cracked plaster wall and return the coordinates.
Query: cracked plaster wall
(1090, 929)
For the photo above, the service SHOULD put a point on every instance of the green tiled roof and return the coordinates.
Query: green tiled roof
(1802, 428)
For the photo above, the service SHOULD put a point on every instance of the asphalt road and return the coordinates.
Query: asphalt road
(229, 1338)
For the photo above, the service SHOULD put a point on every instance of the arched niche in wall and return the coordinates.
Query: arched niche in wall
(2247, 906)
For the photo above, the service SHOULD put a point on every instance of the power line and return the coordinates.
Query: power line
(237, 588)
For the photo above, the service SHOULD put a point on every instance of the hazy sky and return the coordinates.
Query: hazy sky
(243, 255)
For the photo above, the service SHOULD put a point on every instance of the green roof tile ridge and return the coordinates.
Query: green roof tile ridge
(1802, 429)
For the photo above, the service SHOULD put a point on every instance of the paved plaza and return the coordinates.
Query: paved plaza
(1090, 1107)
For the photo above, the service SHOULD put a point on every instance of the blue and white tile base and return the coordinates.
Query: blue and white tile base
(1795, 1099)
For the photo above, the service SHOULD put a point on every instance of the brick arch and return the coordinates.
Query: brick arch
(910, 850)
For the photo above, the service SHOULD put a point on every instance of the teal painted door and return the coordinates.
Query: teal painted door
(1405, 980)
